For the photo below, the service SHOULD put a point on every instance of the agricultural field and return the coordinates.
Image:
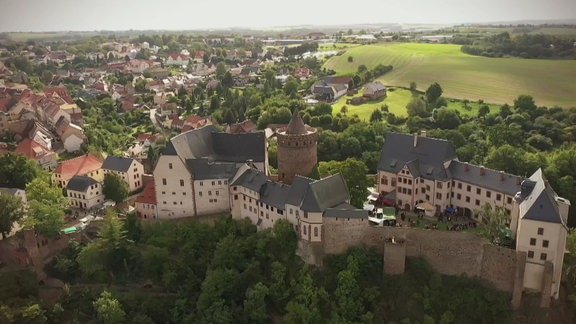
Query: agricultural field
(463, 76)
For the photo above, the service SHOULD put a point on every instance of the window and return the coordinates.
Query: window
(459, 185)
(184, 193)
(219, 182)
(409, 181)
(545, 243)
(478, 191)
(530, 254)
(467, 199)
(439, 185)
(509, 200)
(540, 231)
(201, 183)
(304, 227)
(173, 193)
(532, 241)
(216, 192)
(235, 197)
(438, 195)
(498, 197)
(181, 183)
(488, 194)
(393, 182)
(164, 181)
(170, 166)
(316, 231)
(543, 256)
(163, 192)
(468, 188)
(384, 180)
(477, 202)
(458, 196)
(200, 193)
(213, 183)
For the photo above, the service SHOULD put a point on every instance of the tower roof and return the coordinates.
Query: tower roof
(296, 125)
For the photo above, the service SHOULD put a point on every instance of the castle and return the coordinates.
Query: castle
(205, 171)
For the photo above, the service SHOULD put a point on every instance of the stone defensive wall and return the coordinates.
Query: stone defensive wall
(448, 252)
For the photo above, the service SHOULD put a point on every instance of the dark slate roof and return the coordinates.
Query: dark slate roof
(203, 169)
(274, 194)
(117, 163)
(540, 204)
(346, 210)
(239, 147)
(170, 150)
(296, 125)
(325, 193)
(252, 179)
(209, 142)
(430, 153)
(298, 190)
(80, 183)
(491, 179)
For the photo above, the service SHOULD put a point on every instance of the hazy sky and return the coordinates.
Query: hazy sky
(58, 15)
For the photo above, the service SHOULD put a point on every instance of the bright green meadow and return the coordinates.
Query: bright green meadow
(463, 76)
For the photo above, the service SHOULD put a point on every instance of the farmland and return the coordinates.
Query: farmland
(494, 80)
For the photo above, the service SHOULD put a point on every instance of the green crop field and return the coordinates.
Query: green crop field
(462, 76)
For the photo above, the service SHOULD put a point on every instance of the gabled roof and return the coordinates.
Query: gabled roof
(373, 87)
(148, 195)
(31, 149)
(430, 153)
(346, 210)
(78, 166)
(539, 201)
(117, 163)
(209, 142)
(202, 169)
(80, 183)
(325, 193)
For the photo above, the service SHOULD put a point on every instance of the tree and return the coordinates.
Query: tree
(350, 59)
(46, 205)
(493, 225)
(447, 118)
(255, 303)
(354, 173)
(376, 116)
(417, 107)
(115, 188)
(12, 211)
(16, 170)
(433, 93)
(108, 309)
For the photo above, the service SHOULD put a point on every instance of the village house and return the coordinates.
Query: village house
(35, 151)
(88, 165)
(374, 90)
(84, 192)
(178, 59)
(146, 204)
(129, 170)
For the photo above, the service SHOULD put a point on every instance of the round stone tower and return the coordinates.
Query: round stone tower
(296, 149)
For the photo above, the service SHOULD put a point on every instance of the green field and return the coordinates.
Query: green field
(494, 80)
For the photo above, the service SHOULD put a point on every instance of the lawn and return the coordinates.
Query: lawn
(397, 99)
(462, 76)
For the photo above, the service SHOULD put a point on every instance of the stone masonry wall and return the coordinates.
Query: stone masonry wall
(451, 253)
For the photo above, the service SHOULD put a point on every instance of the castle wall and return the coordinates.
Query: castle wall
(450, 253)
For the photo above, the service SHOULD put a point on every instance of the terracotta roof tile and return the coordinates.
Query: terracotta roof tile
(148, 195)
(78, 166)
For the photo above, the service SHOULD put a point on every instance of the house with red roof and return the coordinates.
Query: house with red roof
(146, 204)
(302, 73)
(178, 59)
(199, 56)
(34, 151)
(88, 165)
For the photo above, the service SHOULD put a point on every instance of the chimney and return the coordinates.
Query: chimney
(502, 176)
(482, 170)
(423, 133)
(518, 180)
(466, 166)
(415, 140)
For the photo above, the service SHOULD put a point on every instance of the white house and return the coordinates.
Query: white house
(539, 224)
(178, 59)
(84, 192)
(130, 170)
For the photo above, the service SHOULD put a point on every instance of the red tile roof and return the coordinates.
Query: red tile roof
(32, 149)
(78, 166)
(148, 195)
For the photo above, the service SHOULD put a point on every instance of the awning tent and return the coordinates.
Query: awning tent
(427, 207)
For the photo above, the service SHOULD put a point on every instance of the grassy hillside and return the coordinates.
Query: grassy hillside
(495, 80)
